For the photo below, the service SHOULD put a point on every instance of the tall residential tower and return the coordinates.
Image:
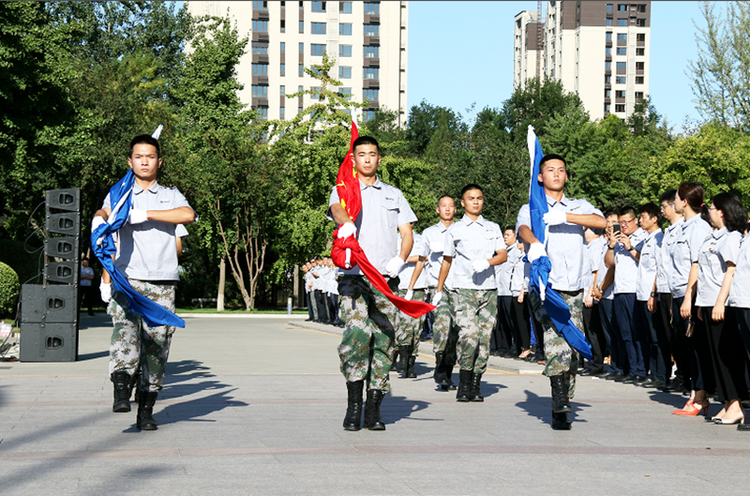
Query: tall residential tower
(367, 39)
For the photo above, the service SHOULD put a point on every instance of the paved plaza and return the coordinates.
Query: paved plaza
(254, 406)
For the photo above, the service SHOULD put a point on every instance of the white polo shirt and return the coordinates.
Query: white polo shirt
(719, 248)
(650, 249)
(418, 248)
(685, 252)
(739, 294)
(468, 241)
(434, 237)
(626, 266)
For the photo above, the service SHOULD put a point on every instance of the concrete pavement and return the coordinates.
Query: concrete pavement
(255, 405)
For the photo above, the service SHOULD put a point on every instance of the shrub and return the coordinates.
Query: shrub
(9, 290)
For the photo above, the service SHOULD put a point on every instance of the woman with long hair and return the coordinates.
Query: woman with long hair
(689, 330)
(716, 268)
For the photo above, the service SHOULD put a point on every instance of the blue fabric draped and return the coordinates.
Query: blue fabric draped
(552, 301)
(103, 245)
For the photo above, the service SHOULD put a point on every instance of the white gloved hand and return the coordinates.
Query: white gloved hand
(409, 295)
(480, 265)
(436, 299)
(105, 290)
(393, 267)
(536, 250)
(347, 229)
(96, 222)
(437, 247)
(137, 216)
(555, 218)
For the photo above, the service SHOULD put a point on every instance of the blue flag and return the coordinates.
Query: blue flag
(552, 301)
(103, 244)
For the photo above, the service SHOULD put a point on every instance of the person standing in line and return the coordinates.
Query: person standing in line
(409, 328)
(312, 307)
(87, 277)
(519, 309)
(566, 220)
(475, 245)
(604, 291)
(738, 303)
(366, 348)
(592, 318)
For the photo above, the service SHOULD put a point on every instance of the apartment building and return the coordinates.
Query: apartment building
(368, 40)
(599, 49)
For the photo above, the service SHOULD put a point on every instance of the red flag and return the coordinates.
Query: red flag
(347, 187)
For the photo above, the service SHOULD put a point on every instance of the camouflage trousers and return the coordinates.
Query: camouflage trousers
(444, 329)
(408, 329)
(561, 358)
(134, 346)
(475, 316)
(366, 349)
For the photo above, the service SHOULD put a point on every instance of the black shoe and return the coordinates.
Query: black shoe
(372, 410)
(352, 421)
(652, 383)
(560, 422)
(639, 381)
(145, 419)
(410, 367)
(611, 376)
(624, 378)
(743, 427)
(476, 393)
(464, 386)
(123, 383)
(560, 401)
(591, 372)
(439, 374)
(403, 360)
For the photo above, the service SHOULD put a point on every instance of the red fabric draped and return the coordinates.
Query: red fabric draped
(347, 186)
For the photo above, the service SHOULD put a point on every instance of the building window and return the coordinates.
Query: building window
(318, 6)
(260, 69)
(608, 36)
(371, 51)
(639, 66)
(345, 72)
(281, 113)
(317, 49)
(370, 73)
(301, 48)
(302, 26)
(283, 5)
(345, 7)
(609, 21)
(620, 108)
(260, 26)
(260, 5)
(372, 7)
(639, 80)
(642, 8)
(368, 114)
(609, 8)
(607, 65)
(607, 79)
(622, 51)
(260, 91)
(260, 49)
(641, 23)
(282, 47)
(301, 70)
(371, 29)
(345, 29)
(640, 51)
(318, 27)
(622, 66)
(622, 22)
(638, 95)
(315, 95)
(607, 93)
(622, 37)
(262, 112)
(301, 4)
(607, 106)
(283, 26)
(621, 80)
(345, 50)
(282, 70)
(346, 93)
(282, 90)
(641, 37)
(370, 94)
(608, 51)
(620, 94)
(622, 7)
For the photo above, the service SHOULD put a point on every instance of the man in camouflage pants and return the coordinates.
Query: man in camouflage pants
(412, 285)
(366, 349)
(566, 220)
(473, 246)
(147, 256)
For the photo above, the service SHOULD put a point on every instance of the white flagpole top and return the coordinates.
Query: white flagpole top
(158, 131)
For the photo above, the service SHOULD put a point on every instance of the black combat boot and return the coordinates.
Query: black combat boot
(403, 360)
(476, 394)
(560, 403)
(123, 383)
(464, 386)
(410, 367)
(353, 419)
(560, 422)
(145, 419)
(372, 410)
(439, 374)
(395, 363)
(449, 360)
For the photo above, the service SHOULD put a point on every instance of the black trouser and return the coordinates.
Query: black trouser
(86, 293)
(659, 365)
(592, 326)
(502, 338)
(696, 348)
(536, 326)
(333, 307)
(519, 316)
(320, 301)
(310, 310)
(665, 333)
(728, 354)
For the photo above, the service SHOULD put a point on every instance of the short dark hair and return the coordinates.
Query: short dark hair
(552, 156)
(735, 215)
(668, 196)
(610, 214)
(145, 139)
(365, 140)
(446, 196)
(626, 211)
(469, 187)
(651, 209)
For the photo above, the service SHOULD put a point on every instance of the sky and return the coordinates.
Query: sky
(461, 53)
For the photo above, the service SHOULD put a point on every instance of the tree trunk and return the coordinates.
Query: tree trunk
(222, 283)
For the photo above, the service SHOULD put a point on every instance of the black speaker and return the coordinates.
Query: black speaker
(63, 199)
(42, 342)
(67, 223)
(55, 303)
(62, 272)
(61, 247)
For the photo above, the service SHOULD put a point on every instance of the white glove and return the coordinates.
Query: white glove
(96, 222)
(480, 265)
(555, 218)
(393, 267)
(437, 247)
(436, 299)
(105, 290)
(137, 216)
(536, 250)
(409, 295)
(346, 230)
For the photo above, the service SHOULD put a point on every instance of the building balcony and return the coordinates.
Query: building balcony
(261, 15)
(260, 37)
(372, 19)
(260, 58)
(373, 105)
(620, 100)
(259, 102)
(639, 72)
(372, 40)
(371, 62)
(370, 83)
(607, 99)
(260, 80)
(640, 43)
